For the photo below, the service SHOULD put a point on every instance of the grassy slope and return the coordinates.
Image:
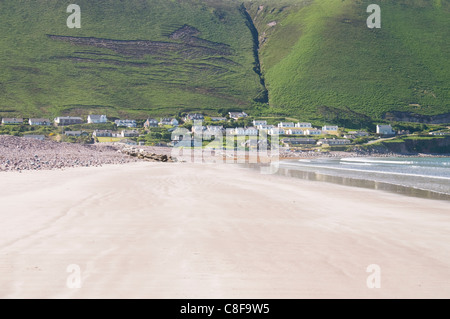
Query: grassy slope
(322, 54)
(38, 75)
(320, 61)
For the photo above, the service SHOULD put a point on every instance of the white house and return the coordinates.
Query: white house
(251, 131)
(213, 130)
(239, 131)
(265, 127)
(294, 131)
(259, 122)
(126, 123)
(245, 131)
(330, 129)
(237, 115)
(303, 125)
(102, 133)
(10, 121)
(276, 131)
(151, 123)
(385, 130)
(197, 129)
(97, 119)
(168, 121)
(194, 117)
(286, 124)
(439, 133)
(43, 122)
(130, 133)
(313, 131)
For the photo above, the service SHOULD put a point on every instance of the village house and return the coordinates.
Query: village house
(151, 123)
(237, 115)
(102, 133)
(42, 122)
(75, 133)
(276, 131)
(97, 119)
(327, 129)
(218, 119)
(251, 131)
(128, 142)
(257, 123)
(35, 137)
(194, 117)
(358, 133)
(126, 123)
(168, 121)
(129, 133)
(213, 130)
(254, 144)
(385, 130)
(294, 131)
(12, 121)
(333, 141)
(68, 120)
(313, 131)
(239, 131)
(197, 129)
(265, 127)
(439, 133)
(245, 131)
(286, 125)
(298, 141)
(303, 125)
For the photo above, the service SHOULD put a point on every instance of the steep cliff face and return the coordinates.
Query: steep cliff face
(411, 146)
(417, 118)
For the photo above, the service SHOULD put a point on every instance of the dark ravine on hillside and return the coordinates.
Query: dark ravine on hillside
(264, 96)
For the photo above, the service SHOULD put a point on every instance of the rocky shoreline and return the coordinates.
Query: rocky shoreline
(18, 154)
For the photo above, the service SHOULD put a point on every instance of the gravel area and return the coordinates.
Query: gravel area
(17, 154)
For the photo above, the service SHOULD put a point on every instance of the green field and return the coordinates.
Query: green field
(139, 58)
(108, 139)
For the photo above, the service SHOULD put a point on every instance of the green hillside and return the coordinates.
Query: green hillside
(191, 54)
(317, 58)
(321, 60)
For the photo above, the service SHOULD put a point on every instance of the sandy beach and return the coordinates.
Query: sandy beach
(179, 230)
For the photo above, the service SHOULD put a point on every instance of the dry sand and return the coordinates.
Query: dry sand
(153, 230)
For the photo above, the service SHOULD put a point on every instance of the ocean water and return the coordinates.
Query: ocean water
(416, 176)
